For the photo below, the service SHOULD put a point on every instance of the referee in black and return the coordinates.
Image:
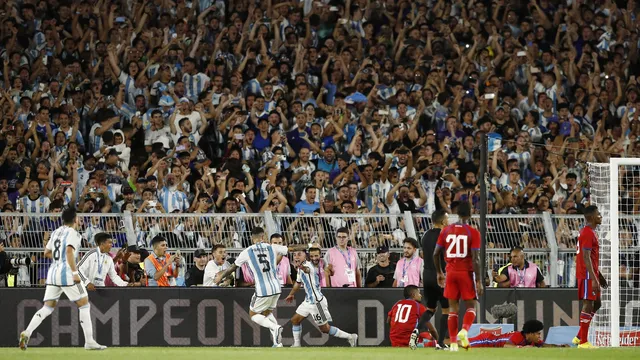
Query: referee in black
(433, 293)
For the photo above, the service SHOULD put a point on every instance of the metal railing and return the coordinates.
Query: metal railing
(549, 240)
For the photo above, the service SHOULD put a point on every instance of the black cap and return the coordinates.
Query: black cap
(199, 253)
(152, 178)
(382, 249)
(126, 190)
(114, 152)
(133, 249)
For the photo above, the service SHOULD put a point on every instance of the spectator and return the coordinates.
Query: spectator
(519, 272)
(342, 264)
(309, 204)
(216, 265)
(129, 268)
(161, 268)
(410, 268)
(381, 274)
(386, 98)
(284, 266)
(195, 274)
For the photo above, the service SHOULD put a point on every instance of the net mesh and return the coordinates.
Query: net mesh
(599, 178)
(625, 240)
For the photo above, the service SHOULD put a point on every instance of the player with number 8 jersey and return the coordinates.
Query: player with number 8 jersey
(63, 278)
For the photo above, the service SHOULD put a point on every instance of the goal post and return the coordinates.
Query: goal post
(611, 186)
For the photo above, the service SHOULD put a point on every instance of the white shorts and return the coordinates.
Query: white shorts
(261, 304)
(318, 311)
(73, 292)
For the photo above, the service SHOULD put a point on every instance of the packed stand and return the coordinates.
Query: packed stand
(313, 107)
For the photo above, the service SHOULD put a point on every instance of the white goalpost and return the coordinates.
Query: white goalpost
(615, 189)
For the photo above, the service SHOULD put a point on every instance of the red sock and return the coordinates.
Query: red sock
(585, 321)
(453, 327)
(468, 318)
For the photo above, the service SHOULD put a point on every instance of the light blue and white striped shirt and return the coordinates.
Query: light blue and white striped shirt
(173, 200)
(311, 282)
(261, 258)
(59, 273)
(194, 85)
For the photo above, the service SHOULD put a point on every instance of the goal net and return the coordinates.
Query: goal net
(615, 189)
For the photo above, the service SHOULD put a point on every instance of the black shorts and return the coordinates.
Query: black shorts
(433, 295)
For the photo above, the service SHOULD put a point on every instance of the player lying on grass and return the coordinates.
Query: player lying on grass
(403, 318)
(530, 336)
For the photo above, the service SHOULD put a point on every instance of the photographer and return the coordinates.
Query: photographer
(130, 270)
(16, 267)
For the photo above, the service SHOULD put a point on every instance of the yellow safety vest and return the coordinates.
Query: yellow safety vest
(499, 271)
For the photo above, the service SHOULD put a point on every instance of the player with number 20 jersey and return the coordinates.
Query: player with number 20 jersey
(458, 240)
(460, 244)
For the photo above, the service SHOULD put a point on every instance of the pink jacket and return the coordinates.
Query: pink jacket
(524, 278)
(343, 263)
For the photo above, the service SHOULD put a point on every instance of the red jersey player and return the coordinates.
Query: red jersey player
(404, 316)
(461, 244)
(588, 276)
(530, 336)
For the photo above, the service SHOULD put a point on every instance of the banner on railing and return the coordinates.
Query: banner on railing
(220, 317)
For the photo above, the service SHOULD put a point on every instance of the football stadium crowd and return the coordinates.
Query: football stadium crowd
(362, 108)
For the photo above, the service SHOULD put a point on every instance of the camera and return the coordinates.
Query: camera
(15, 263)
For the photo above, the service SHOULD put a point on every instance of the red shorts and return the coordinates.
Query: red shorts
(460, 285)
(586, 291)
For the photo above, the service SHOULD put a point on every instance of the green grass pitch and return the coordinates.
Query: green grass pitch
(334, 353)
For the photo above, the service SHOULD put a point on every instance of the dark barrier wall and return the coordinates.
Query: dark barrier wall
(219, 317)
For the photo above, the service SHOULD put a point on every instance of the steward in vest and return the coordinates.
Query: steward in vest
(520, 272)
(161, 267)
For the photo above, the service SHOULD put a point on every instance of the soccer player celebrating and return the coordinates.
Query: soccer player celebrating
(403, 318)
(462, 244)
(315, 304)
(261, 258)
(588, 276)
(530, 336)
(432, 292)
(63, 277)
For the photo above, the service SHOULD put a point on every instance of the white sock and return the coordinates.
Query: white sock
(273, 319)
(297, 331)
(85, 322)
(264, 322)
(37, 319)
(334, 331)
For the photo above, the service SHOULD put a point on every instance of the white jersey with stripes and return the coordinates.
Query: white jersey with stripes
(60, 273)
